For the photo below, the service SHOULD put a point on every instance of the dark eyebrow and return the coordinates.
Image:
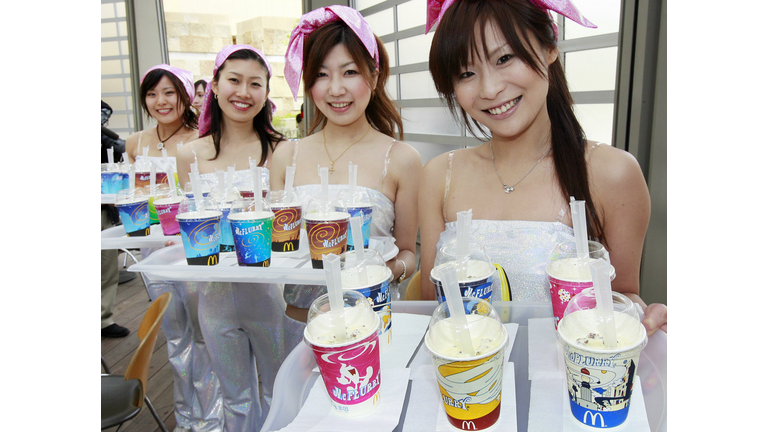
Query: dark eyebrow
(259, 77)
(322, 66)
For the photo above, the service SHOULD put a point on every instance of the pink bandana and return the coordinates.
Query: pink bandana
(309, 22)
(436, 9)
(184, 76)
(204, 123)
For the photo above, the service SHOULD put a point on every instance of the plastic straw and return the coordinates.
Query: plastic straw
(290, 173)
(456, 306)
(230, 177)
(323, 172)
(196, 189)
(601, 283)
(131, 179)
(357, 237)
(110, 155)
(178, 146)
(220, 183)
(579, 217)
(171, 182)
(332, 267)
(464, 222)
(152, 179)
(352, 183)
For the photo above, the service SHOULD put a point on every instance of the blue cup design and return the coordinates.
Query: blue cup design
(366, 213)
(227, 240)
(135, 217)
(379, 295)
(253, 239)
(201, 237)
(480, 288)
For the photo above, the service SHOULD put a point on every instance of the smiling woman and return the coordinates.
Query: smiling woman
(166, 96)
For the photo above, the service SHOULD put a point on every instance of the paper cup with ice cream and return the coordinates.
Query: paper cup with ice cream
(470, 383)
(600, 379)
(476, 273)
(350, 368)
(370, 277)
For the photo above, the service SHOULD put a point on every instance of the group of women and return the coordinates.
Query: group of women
(496, 64)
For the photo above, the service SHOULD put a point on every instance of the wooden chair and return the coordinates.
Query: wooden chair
(413, 291)
(122, 395)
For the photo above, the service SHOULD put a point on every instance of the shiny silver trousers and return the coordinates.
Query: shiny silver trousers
(196, 389)
(243, 325)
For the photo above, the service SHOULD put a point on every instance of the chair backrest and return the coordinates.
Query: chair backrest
(413, 291)
(150, 325)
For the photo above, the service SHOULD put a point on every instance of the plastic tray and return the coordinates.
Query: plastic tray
(108, 198)
(285, 267)
(115, 238)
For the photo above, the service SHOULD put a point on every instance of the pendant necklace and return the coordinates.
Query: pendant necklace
(508, 189)
(161, 144)
(333, 161)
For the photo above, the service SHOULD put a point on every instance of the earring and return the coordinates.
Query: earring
(215, 96)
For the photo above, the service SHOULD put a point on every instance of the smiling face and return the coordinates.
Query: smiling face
(163, 102)
(199, 96)
(340, 91)
(241, 89)
(502, 92)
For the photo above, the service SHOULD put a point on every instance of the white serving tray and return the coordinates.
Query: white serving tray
(170, 263)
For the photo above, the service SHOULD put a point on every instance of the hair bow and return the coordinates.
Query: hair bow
(309, 22)
(204, 123)
(436, 9)
(184, 76)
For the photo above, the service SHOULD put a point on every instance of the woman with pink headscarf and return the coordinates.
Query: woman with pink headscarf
(242, 322)
(166, 96)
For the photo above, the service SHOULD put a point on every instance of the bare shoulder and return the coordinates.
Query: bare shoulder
(609, 165)
(617, 180)
(283, 153)
(190, 135)
(199, 147)
(405, 155)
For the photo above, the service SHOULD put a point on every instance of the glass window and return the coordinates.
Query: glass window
(112, 85)
(596, 120)
(414, 49)
(390, 47)
(411, 14)
(107, 10)
(432, 121)
(592, 69)
(363, 4)
(602, 13)
(382, 23)
(417, 85)
(111, 48)
(108, 29)
(111, 67)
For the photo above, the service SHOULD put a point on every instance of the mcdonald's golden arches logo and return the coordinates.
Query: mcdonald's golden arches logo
(213, 260)
(465, 425)
(288, 246)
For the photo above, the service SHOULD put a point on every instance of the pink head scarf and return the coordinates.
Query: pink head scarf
(184, 76)
(204, 123)
(436, 9)
(309, 22)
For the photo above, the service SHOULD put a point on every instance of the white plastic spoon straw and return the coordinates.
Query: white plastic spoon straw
(323, 172)
(579, 219)
(601, 283)
(196, 189)
(230, 179)
(290, 173)
(332, 268)
(357, 237)
(110, 155)
(352, 184)
(152, 179)
(171, 181)
(131, 179)
(456, 306)
(463, 224)
(220, 175)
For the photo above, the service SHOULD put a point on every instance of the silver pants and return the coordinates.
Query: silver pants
(196, 390)
(243, 325)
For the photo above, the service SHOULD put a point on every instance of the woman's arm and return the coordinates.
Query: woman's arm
(431, 219)
(622, 199)
(406, 169)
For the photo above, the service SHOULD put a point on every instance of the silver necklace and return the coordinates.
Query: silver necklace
(509, 189)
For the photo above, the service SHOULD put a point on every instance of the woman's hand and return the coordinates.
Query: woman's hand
(655, 318)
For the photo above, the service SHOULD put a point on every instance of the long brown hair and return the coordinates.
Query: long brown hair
(381, 112)
(454, 46)
(188, 116)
